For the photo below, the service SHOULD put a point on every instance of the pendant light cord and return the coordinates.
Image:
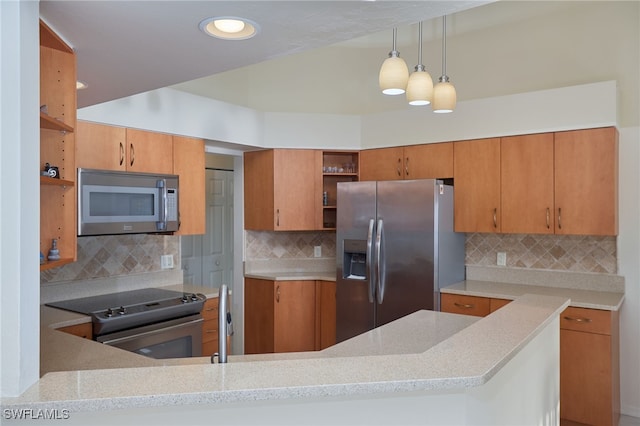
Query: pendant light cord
(420, 43)
(444, 47)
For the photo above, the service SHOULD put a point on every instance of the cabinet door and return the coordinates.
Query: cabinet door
(295, 201)
(210, 327)
(188, 164)
(294, 316)
(526, 168)
(99, 146)
(476, 167)
(586, 182)
(84, 330)
(258, 190)
(382, 164)
(258, 316)
(149, 152)
(325, 314)
(430, 161)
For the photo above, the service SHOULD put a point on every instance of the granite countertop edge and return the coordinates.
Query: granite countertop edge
(499, 337)
(590, 299)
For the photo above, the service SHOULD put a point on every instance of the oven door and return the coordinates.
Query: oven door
(178, 338)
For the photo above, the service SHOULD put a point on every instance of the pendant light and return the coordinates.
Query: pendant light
(444, 94)
(394, 72)
(420, 85)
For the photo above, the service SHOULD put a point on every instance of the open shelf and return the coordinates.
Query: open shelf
(55, 263)
(45, 180)
(48, 122)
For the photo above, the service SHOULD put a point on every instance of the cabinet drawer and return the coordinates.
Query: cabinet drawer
(467, 305)
(210, 309)
(210, 330)
(588, 320)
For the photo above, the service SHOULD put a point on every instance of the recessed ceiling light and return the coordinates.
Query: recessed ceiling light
(81, 85)
(229, 27)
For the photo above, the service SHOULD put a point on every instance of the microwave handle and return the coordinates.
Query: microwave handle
(161, 225)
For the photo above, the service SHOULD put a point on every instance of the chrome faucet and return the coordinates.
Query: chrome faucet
(225, 325)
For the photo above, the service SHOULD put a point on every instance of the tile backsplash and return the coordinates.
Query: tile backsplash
(552, 252)
(576, 253)
(116, 255)
(288, 245)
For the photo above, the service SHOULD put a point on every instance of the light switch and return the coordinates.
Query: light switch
(502, 258)
(317, 251)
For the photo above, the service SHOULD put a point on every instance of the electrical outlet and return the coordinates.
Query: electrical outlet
(317, 251)
(166, 261)
(502, 258)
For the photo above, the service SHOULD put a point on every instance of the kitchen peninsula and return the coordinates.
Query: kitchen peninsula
(432, 367)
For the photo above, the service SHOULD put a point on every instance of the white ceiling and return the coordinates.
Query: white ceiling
(129, 47)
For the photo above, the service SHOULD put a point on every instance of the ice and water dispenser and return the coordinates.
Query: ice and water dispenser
(354, 259)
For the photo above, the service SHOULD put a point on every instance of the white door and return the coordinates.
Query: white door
(208, 259)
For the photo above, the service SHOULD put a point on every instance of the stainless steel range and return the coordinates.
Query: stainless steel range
(154, 322)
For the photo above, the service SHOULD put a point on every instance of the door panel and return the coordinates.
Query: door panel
(408, 249)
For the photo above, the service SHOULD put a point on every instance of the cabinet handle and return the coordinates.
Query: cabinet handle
(559, 217)
(406, 166)
(278, 294)
(211, 331)
(548, 214)
(211, 309)
(464, 305)
(399, 169)
(278, 217)
(132, 154)
(585, 320)
(495, 218)
(121, 153)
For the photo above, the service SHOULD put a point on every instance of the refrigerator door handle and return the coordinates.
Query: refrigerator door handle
(368, 264)
(380, 267)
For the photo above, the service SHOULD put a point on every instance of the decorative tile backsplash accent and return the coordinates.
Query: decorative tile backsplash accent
(575, 253)
(551, 252)
(288, 245)
(115, 255)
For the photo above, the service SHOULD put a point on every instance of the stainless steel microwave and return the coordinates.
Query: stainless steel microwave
(113, 202)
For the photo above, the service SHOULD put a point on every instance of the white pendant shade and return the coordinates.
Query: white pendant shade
(444, 97)
(394, 75)
(419, 88)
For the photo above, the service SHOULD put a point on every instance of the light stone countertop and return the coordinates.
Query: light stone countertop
(293, 276)
(393, 358)
(606, 300)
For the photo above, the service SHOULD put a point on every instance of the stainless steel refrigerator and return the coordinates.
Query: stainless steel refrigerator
(395, 249)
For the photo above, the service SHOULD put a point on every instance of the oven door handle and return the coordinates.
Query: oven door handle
(162, 327)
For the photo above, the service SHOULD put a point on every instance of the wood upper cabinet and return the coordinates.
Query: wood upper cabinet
(149, 152)
(279, 190)
(279, 316)
(189, 165)
(586, 182)
(382, 164)
(526, 168)
(476, 168)
(427, 161)
(105, 147)
(100, 146)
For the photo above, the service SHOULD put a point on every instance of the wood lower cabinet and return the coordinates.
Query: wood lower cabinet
(84, 330)
(589, 358)
(589, 366)
(280, 190)
(280, 316)
(289, 316)
(325, 314)
(425, 161)
(476, 170)
(210, 327)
